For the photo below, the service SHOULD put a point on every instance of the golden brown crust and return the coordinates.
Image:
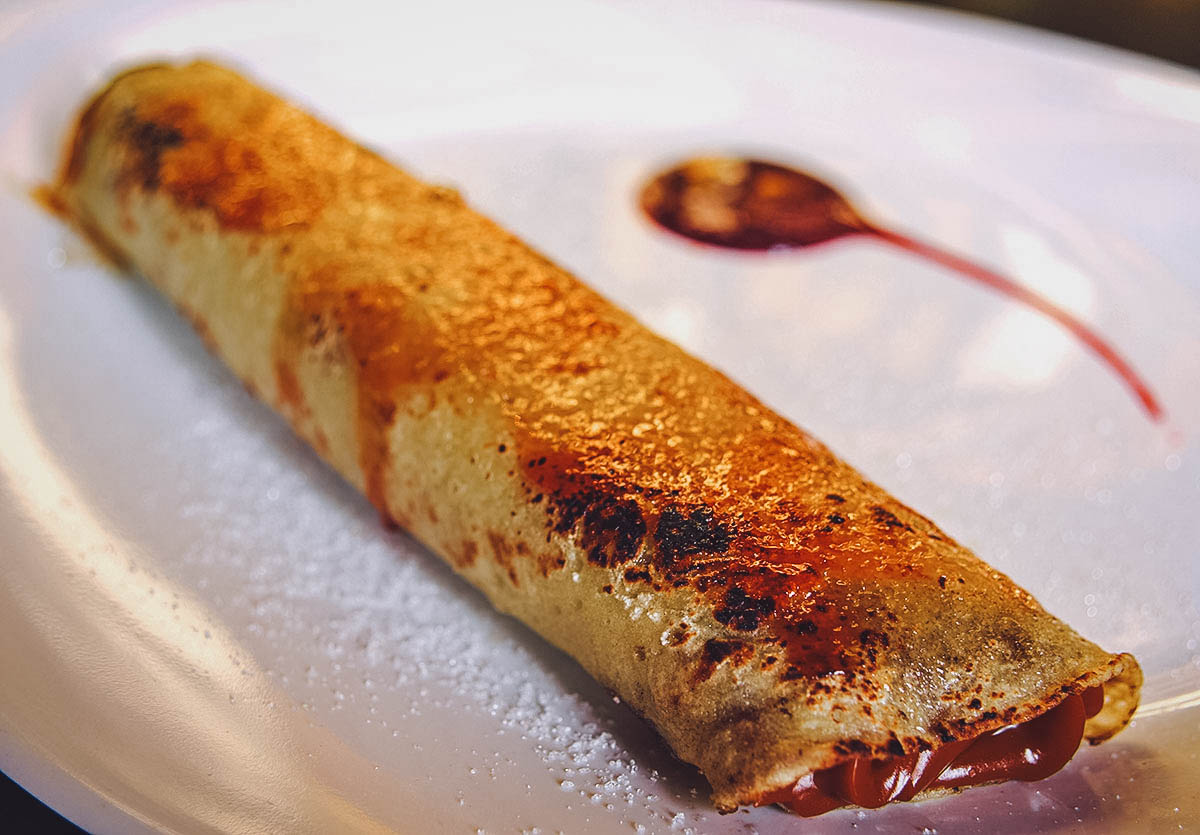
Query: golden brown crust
(771, 611)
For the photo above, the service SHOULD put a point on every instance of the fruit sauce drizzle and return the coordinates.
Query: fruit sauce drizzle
(753, 205)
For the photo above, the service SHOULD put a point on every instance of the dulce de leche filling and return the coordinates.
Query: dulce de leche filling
(1030, 751)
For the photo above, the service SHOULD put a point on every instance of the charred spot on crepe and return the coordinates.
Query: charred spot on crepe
(679, 634)
(633, 575)
(886, 517)
(171, 151)
(742, 611)
(86, 125)
(716, 651)
(149, 139)
(612, 531)
(682, 532)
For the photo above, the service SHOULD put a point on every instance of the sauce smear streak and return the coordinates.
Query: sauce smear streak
(753, 205)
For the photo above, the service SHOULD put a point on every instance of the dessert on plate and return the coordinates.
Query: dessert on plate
(787, 626)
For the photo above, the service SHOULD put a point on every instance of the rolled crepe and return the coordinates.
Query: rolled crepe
(786, 625)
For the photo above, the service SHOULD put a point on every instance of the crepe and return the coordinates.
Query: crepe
(787, 626)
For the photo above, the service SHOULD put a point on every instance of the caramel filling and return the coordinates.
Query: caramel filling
(1030, 751)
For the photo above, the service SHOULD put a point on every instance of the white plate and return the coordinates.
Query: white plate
(201, 627)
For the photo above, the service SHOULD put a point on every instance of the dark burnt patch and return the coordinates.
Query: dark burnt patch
(613, 531)
(679, 634)
(834, 497)
(943, 732)
(633, 575)
(872, 642)
(823, 640)
(570, 508)
(873, 638)
(682, 532)
(742, 611)
(885, 517)
(716, 651)
(149, 140)
(570, 493)
(859, 747)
